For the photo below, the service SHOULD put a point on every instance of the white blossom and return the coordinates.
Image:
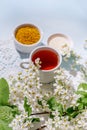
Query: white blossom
(27, 84)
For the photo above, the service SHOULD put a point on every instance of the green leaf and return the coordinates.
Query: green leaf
(60, 108)
(52, 116)
(40, 102)
(27, 107)
(83, 93)
(4, 92)
(84, 100)
(74, 114)
(15, 110)
(6, 114)
(4, 126)
(35, 120)
(80, 106)
(70, 110)
(54, 105)
(82, 86)
(79, 100)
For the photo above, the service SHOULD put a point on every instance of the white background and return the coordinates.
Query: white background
(53, 16)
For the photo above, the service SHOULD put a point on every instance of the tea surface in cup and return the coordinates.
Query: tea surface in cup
(49, 59)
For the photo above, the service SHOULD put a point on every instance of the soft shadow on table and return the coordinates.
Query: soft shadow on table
(26, 55)
(23, 55)
(70, 65)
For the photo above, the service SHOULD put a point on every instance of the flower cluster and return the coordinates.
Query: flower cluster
(65, 94)
(26, 83)
(56, 106)
(18, 122)
(64, 90)
(65, 50)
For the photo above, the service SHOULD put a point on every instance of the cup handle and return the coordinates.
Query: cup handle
(25, 64)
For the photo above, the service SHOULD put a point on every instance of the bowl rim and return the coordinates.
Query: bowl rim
(24, 25)
(60, 35)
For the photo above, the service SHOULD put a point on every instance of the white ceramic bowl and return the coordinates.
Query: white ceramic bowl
(60, 42)
(26, 48)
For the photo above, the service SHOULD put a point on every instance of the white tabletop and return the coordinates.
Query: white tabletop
(53, 16)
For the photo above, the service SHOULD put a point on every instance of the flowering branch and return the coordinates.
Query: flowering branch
(40, 113)
(65, 108)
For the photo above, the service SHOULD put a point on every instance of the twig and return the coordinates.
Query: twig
(41, 127)
(40, 113)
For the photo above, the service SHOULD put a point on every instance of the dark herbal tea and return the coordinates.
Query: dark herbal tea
(49, 59)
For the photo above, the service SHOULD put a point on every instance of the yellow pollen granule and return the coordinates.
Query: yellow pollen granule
(28, 35)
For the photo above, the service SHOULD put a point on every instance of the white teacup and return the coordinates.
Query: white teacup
(50, 61)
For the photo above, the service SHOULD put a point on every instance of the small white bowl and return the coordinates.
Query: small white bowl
(26, 48)
(60, 42)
